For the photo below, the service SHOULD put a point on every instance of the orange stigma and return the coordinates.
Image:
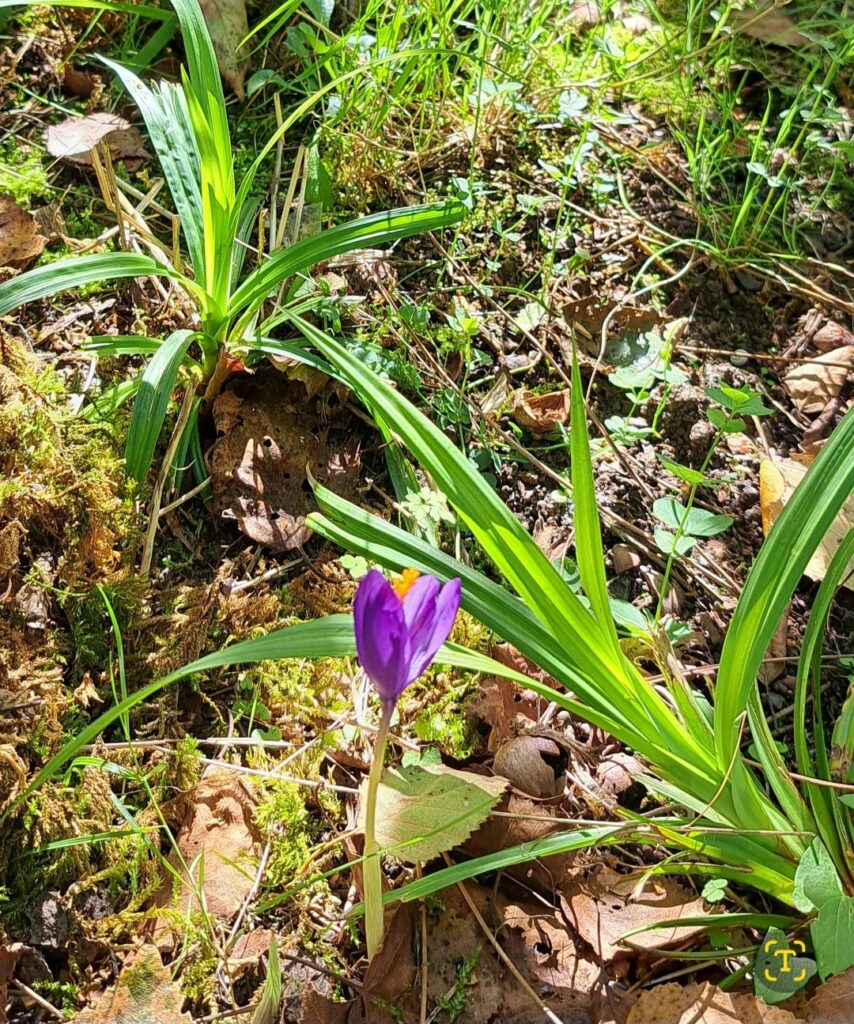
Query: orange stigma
(403, 585)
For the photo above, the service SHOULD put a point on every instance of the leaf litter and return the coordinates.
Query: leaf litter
(271, 433)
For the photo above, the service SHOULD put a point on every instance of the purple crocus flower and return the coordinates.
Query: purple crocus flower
(400, 627)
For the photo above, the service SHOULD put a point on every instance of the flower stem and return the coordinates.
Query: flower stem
(371, 867)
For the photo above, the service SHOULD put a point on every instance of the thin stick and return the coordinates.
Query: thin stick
(43, 1003)
(505, 959)
(185, 497)
(156, 497)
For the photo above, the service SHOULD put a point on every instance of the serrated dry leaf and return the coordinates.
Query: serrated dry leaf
(423, 810)
(228, 27)
(604, 907)
(703, 1004)
(20, 241)
(812, 385)
(767, 22)
(144, 994)
(74, 138)
(778, 479)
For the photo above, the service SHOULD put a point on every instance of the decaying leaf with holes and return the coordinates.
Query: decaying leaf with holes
(219, 837)
(268, 433)
(605, 906)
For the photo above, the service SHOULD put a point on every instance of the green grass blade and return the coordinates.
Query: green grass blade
(589, 552)
(69, 274)
(147, 10)
(774, 576)
(152, 401)
(103, 407)
(577, 839)
(363, 233)
(122, 345)
(167, 118)
(830, 815)
(359, 531)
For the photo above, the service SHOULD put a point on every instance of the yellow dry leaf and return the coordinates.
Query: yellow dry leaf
(778, 479)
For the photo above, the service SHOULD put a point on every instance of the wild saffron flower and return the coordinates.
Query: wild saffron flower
(400, 626)
(399, 629)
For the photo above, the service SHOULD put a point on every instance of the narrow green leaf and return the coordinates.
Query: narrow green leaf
(366, 232)
(152, 401)
(331, 637)
(774, 576)
(589, 552)
(69, 274)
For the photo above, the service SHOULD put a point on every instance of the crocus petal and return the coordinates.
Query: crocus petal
(419, 602)
(382, 641)
(434, 630)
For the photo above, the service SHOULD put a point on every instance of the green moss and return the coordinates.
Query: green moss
(446, 723)
(22, 176)
(290, 830)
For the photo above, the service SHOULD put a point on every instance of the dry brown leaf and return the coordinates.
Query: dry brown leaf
(533, 936)
(534, 764)
(522, 820)
(540, 944)
(228, 26)
(80, 83)
(767, 22)
(584, 14)
(832, 335)
(74, 138)
(778, 479)
(703, 1004)
(144, 994)
(812, 385)
(218, 826)
(390, 974)
(831, 1003)
(268, 432)
(540, 414)
(603, 908)
(20, 241)
(316, 1007)
(774, 666)
(501, 706)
